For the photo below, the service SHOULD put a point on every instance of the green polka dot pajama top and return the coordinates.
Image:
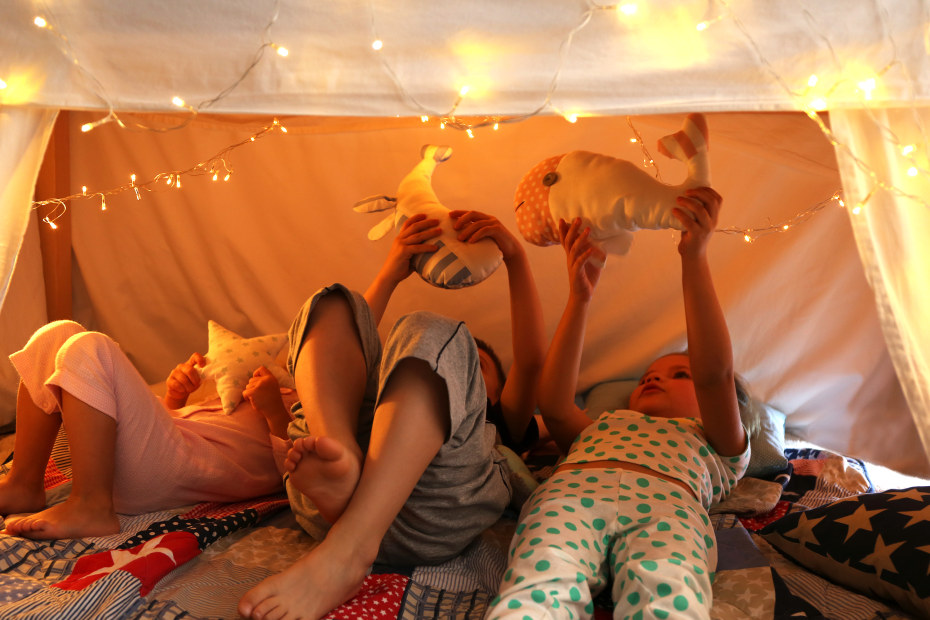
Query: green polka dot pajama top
(583, 525)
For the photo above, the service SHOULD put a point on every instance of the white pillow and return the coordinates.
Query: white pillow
(231, 360)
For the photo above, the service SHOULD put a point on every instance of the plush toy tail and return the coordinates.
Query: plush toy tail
(690, 145)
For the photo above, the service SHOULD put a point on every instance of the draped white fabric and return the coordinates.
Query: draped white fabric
(812, 336)
(891, 233)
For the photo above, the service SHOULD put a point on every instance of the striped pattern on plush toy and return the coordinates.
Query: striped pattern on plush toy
(690, 140)
(443, 267)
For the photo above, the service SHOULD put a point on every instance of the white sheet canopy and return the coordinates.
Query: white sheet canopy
(829, 317)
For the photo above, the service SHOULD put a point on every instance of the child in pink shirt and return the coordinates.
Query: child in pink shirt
(131, 452)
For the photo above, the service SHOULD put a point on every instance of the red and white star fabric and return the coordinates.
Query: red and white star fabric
(148, 561)
(379, 597)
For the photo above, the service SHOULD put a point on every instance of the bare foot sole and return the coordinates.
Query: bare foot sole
(310, 588)
(65, 520)
(325, 471)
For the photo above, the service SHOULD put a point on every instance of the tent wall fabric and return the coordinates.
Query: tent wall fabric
(803, 311)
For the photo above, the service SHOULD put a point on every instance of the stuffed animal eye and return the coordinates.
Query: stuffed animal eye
(551, 178)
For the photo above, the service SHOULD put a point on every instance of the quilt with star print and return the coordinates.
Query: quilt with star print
(195, 563)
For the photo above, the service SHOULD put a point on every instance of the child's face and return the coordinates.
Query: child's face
(666, 390)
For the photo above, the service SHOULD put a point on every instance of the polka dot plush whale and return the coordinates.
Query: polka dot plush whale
(455, 264)
(612, 196)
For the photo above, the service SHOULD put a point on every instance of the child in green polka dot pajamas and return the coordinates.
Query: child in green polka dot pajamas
(630, 499)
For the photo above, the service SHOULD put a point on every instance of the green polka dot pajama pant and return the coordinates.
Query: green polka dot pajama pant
(582, 525)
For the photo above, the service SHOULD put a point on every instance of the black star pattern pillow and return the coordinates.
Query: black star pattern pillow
(877, 543)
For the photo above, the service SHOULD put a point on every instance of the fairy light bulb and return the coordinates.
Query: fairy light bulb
(857, 210)
(2, 84)
(40, 21)
(496, 126)
(464, 90)
(226, 178)
(83, 190)
(747, 238)
(571, 118)
(907, 150)
(701, 27)
(470, 133)
(867, 86)
(178, 101)
(377, 44)
(912, 171)
(87, 127)
(628, 8)
(812, 81)
(51, 223)
(282, 51)
(424, 119)
(103, 202)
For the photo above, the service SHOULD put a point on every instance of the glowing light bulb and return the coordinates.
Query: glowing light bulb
(907, 150)
(226, 178)
(912, 171)
(215, 176)
(51, 223)
(812, 81)
(867, 86)
(83, 190)
(628, 8)
(2, 84)
(377, 44)
(785, 227)
(857, 210)
(40, 22)
(818, 104)
(424, 119)
(496, 126)
(470, 133)
(178, 101)
(464, 90)
(103, 203)
(747, 238)
(177, 182)
(571, 118)
(282, 51)
(633, 140)
(87, 127)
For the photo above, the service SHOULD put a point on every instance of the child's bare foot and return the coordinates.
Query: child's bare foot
(321, 580)
(16, 498)
(325, 471)
(70, 519)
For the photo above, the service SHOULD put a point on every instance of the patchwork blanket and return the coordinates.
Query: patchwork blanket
(197, 562)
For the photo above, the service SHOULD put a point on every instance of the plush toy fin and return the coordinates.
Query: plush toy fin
(373, 204)
(383, 227)
(687, 142)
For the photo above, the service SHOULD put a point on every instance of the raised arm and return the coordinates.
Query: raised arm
(559, 379)
(528, 340)
(709, 347)
(412, 239)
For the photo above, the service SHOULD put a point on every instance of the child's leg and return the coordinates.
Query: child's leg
(88, 510)
(558, 553)
(410, 426)
(663, 565)
(331, 373)
(23, 489)
(37, 418)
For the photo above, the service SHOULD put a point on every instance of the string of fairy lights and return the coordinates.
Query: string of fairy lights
(811, 97)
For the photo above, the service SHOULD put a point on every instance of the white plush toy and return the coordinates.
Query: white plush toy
(612, 196)
(455, 264)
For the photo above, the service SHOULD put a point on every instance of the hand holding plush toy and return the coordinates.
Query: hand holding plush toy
(612, 196)
(455, 264)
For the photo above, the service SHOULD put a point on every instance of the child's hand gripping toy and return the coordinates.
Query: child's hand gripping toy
(455, 264)
(612, 196)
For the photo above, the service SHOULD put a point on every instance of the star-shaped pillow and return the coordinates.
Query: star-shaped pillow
(231, 360)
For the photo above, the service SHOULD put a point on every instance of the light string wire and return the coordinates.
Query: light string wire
(449, 119)
(216, 165)
(99, 91)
